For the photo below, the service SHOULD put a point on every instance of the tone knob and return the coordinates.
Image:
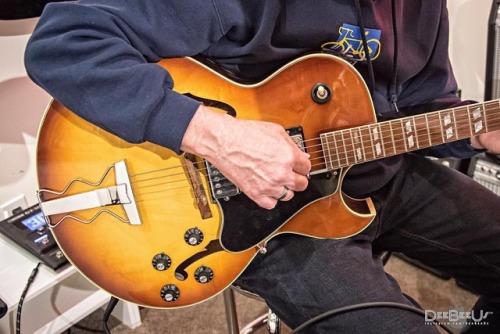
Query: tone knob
(203, 274)
(161, 261)
(193, 236)
(170, 293)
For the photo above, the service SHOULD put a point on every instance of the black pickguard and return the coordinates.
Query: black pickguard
(246, 224)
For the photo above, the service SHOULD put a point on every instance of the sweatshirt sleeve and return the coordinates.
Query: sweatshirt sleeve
(98, 59)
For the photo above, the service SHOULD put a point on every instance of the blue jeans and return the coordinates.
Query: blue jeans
(428, 212)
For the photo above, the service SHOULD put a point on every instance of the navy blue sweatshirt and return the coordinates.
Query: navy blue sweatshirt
(97, 58)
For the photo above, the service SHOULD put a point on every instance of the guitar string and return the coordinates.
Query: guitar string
(401, 139)
(381, 124)
(382, 134)
(395, 144)
(322, 163)
(348, 153)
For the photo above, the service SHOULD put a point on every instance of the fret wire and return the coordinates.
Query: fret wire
(329, 140)
(462, 122)
(403, 133)
(328, 143)
(353, 147)
(325, 146)
(441, 125)
(419, 121)
(428, 130)
(401, 140)
(455, 122)
(465, 128)
(348, 137)
(343, 143)
(479, 121)
(415, 131)
(381, 139)
(489, 122)
(371, 140)
(459, 124)
(392, 136)
(439, 136)
(470, 122)
(450, 110)
(336, 149)
(339, 149)
(445, 117)
(358, 140)
(355, 134)
(485, 119)
(362, 143)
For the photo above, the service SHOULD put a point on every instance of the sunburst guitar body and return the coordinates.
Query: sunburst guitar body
(164, 230)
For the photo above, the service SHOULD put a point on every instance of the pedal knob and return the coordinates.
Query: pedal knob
(203, 274)
(193, 236)
(161, 262)
(170, 293)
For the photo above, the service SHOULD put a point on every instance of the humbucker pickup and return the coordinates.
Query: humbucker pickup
(221, 187)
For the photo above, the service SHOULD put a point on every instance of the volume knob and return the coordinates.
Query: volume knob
(203, 274)
(193, 236)
(161, 261)
(170, 293)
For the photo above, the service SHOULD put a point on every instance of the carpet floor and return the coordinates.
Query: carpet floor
(431, 291)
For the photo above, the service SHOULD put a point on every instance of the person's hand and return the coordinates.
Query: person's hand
(489, 141)
(260, 158)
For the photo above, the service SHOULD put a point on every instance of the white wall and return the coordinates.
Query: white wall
(468, 32)
(22, 103)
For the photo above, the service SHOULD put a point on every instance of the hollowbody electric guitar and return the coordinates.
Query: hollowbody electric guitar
(162, 230)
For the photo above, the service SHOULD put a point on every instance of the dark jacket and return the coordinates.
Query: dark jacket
(97, 57)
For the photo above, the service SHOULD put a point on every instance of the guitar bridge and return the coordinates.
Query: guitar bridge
(201, 199)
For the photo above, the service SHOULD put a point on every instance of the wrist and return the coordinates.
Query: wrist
(202, 136)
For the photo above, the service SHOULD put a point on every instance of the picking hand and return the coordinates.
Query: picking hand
(258, 157)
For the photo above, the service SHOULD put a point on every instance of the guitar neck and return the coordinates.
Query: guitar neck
(343, 148)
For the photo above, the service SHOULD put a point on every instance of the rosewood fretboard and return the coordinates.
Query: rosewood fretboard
(356, 145)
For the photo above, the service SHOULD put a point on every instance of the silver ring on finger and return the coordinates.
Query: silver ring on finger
(283, 194)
